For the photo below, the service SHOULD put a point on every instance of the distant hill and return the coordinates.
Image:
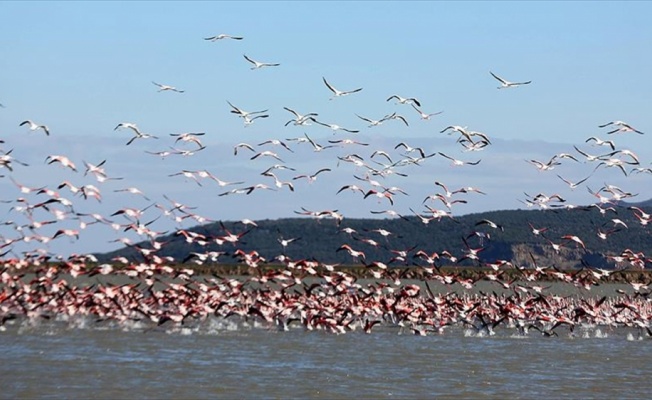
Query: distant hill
(641, 204)
(513, 240)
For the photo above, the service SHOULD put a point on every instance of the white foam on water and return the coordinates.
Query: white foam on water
(599, 334)
(470, 333)
(130, 325)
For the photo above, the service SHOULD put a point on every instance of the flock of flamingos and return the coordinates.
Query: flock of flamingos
(154, 292)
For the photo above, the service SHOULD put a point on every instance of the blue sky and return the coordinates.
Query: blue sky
(82, 68)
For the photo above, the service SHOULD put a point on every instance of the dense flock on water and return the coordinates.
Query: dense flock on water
(155, 292)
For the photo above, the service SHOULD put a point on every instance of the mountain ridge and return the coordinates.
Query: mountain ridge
(512, 238)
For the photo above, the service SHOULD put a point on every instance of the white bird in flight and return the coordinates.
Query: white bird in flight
(258, 64)
(622, 127)
(423, 114)
(248, 120)
(401, 100)
(223, 36)
(339, 93)
(373, 122)
(456, 162)
(507, 84)
(167, 87)
(600, 142)
(189, 137)
(335, 127)
(242, 113)
(300, 119)
(133, 127)
(573, 185)
(33, 126)
(129, 125)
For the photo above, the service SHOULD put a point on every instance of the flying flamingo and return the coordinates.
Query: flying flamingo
(423, 115)
(456, 162)
(163, 88)
(34, 126)
(504, 84)
(401, 100)
(63, 160)
(622, 127)
(222, 36)
(258, 64)
(339, 93)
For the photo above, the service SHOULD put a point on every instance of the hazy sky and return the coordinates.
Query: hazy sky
(83, 68)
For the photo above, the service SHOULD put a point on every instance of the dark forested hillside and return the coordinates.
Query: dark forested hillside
(512, 239)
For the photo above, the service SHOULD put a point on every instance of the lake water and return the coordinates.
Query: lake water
(223, 359)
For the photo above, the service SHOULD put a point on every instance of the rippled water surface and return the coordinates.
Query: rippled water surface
(82, 360)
